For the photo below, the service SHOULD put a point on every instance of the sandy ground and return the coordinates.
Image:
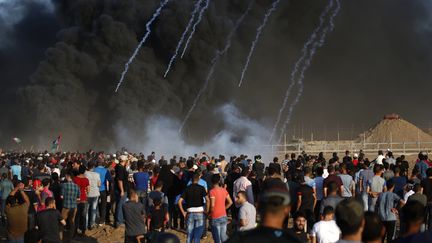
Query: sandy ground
(109, 234)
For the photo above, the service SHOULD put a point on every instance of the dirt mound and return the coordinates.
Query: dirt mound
(395, 130)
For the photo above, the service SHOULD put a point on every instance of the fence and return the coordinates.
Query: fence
(342, 146)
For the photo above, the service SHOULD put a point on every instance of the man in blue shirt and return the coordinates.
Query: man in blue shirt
(422, 165)
(141, 180)
(16, 169)
(105, 177)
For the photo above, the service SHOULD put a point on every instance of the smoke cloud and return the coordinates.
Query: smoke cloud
(60, 63)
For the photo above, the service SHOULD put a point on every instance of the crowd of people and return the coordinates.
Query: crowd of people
(54, 197)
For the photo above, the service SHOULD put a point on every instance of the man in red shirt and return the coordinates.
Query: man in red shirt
(220, 201)
(84, 186)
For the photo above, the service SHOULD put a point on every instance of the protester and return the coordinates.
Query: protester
(247, 212)
(350, 220)
(134, 217)
(194, 196)
(387, 210)
(105, 178)
(121, 188)
(48, 222)
(82, 207)
(299, 227)
(374, 230)
(93, 194)
(16, 214)
(274, 207)
(220, 201)
(70, 193)
(326, 230)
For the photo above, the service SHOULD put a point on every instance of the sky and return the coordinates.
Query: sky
(59, 62)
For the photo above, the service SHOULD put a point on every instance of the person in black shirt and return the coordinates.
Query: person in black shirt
(276, 165)
(306, 201)
(298, 230)
(274, 206)
(121, 188)
(48, 222)
(194, 196)
(258, 167)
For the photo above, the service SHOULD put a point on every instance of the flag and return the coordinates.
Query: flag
(56, 143)
(16, 140)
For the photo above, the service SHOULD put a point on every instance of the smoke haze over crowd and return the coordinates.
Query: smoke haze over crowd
(60, 62)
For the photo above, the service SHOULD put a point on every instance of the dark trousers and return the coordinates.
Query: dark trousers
(390, 227)
(310, 217)
(317, 211)
(175, 215)
(103, 207)
(429, 215)
(81, 216)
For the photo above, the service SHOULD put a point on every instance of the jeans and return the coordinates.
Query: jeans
(102, 207)
(372, 203)
(120, 201)
(91, 216)
(16, 240)
(3, 206)
(219, 229)
(81, 216)
(195, 227)
(429, 216)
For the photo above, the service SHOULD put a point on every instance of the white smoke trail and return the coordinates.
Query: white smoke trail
(214, 62)
(144, 39)
(180, 43)
(298, 64)
(203, 9)
(308, 62)
(258, 34)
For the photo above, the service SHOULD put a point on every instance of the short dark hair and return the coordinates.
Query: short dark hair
(417, 187)
(328, 210)
(299, 214)
(319, 171)
(46, 182)
(196, 176)
(215, 179)
(413, 212)
(373, 227)
(390, 184)
(49, 201)
(377, 168)
(349, 216)
(429, 172)
(332, 187)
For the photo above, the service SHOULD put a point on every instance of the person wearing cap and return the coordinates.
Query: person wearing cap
(350, 219)
(259, 167)
(355, 160)
(274, 208)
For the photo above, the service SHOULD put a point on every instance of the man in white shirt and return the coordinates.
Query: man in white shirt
(93, 194)
(326, 230)
(243, 184)
(247, 213)
(380, 157)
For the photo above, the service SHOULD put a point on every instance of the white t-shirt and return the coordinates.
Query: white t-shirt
(326, 232)
(247, 212)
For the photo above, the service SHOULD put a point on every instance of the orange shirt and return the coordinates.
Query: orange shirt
(220, 195)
